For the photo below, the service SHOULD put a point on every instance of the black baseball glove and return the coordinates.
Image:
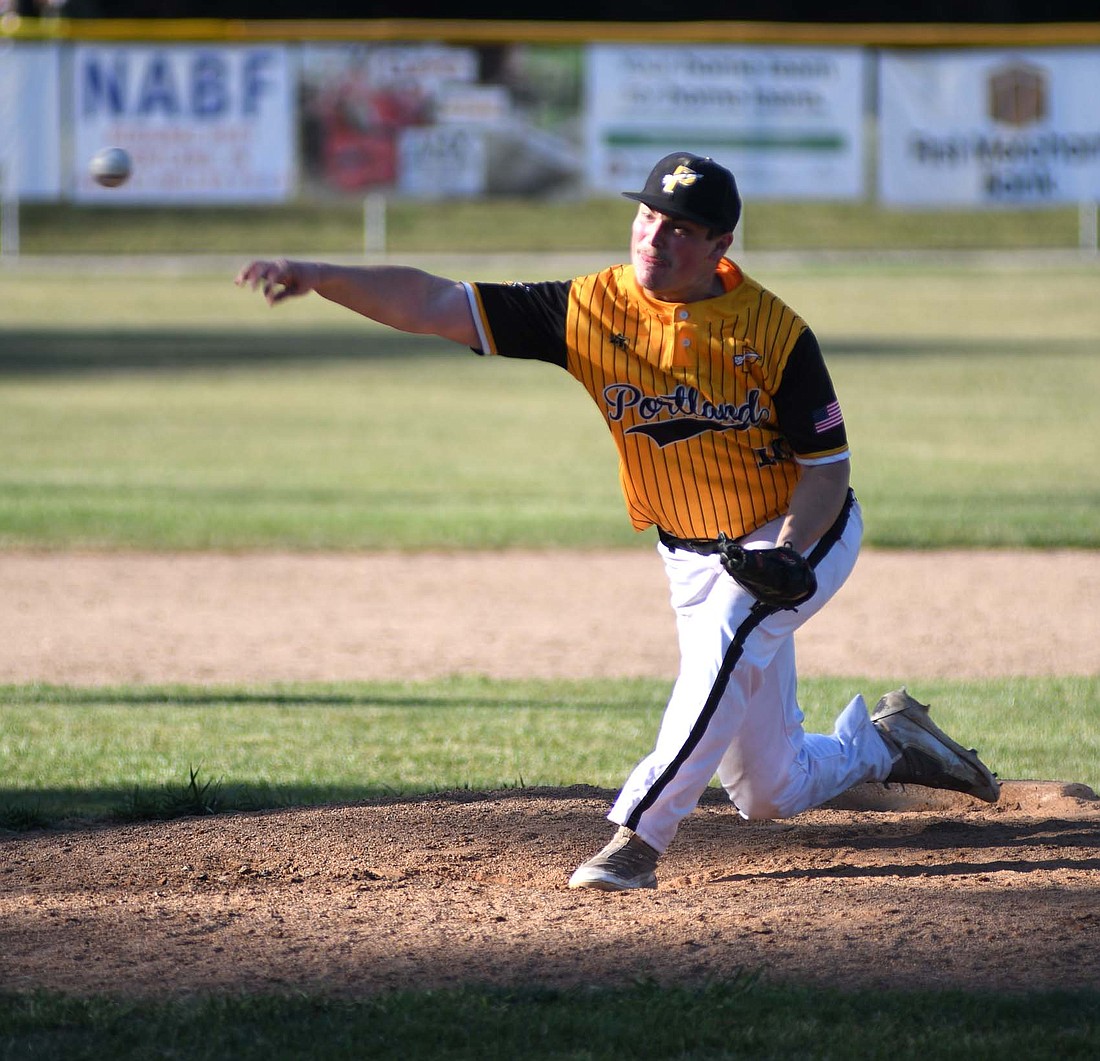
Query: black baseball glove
(780, 577)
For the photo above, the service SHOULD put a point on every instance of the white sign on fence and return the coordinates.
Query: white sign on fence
(987, 127)
(30, 123)
(787, 121)
(438, 161)
(202, 123)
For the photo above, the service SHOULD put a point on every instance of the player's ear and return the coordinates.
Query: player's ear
(721, 245)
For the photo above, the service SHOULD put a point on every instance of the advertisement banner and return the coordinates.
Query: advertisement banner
(787, 121)
(203, 124)
(989, 128)
(435, 121)
(30, 123)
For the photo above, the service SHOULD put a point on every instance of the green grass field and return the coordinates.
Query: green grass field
(738, 1019)
(156, 407)
(70, 754)
(518, 225)
(173, 410)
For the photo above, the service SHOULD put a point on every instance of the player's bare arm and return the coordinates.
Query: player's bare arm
(815, 503)
(401, 297)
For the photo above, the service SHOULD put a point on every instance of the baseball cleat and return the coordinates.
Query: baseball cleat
(627, 862)
(924, 755)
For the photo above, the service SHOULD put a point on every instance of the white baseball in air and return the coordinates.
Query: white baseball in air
(110, 166)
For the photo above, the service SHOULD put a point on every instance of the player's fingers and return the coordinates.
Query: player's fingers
(250, 274)
(281, 281)
(274, 290)
(276, 280)
(268, 277)
(263, 274)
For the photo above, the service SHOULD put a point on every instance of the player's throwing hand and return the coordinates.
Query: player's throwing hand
(279, 279)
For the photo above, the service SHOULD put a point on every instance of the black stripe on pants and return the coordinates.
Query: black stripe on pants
(756, 616)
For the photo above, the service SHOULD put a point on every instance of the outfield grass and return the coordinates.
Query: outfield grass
(412, 445)
(176, 411)
(517, 225)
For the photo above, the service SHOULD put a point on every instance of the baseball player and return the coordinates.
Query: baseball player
(732, 444)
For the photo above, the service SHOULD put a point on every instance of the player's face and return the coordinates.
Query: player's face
(674, 259)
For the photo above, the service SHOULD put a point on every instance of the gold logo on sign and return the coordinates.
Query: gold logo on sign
(681, 176)
(1018, 94)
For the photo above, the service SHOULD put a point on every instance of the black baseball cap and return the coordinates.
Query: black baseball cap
(692, 187)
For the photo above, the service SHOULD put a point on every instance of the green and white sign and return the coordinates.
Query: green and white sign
(787, 121)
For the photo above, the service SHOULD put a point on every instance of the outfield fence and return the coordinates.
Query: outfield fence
(220, 113)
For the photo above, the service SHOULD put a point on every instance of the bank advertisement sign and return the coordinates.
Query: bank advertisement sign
(990, 127)
(787, 121)
(206, 124)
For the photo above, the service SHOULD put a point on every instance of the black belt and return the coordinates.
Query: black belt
(709, 546)
(702, 546)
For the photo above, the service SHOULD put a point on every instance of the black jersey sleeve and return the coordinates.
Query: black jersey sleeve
(523, 320)
(806, 404)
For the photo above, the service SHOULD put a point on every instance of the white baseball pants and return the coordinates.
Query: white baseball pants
(734, 708)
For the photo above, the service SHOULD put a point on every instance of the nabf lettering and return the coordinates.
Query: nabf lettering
(185, 82)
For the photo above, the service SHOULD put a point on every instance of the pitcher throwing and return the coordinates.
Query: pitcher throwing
(731, 439)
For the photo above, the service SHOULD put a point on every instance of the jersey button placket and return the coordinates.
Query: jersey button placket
(683, 343)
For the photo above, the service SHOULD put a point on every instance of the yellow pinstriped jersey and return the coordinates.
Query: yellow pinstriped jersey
(713, 404)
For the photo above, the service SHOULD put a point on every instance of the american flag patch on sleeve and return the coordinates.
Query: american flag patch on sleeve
(827, 416)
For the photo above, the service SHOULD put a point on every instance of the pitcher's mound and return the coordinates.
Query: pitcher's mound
(1036, 797)
(889, 887)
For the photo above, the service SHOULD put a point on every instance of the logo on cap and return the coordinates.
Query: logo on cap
(681, 176)
(692, 187)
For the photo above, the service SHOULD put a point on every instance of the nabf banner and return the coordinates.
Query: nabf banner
(787, 121)
(202, 124)
(990, 128)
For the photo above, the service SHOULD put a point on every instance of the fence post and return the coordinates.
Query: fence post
(1088, 237)
(374, 223)
(10, 140)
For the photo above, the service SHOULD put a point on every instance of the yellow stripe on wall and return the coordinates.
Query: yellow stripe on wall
(488, 31)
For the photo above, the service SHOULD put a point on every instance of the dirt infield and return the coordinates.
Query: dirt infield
(108, 618)
(883, 887)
